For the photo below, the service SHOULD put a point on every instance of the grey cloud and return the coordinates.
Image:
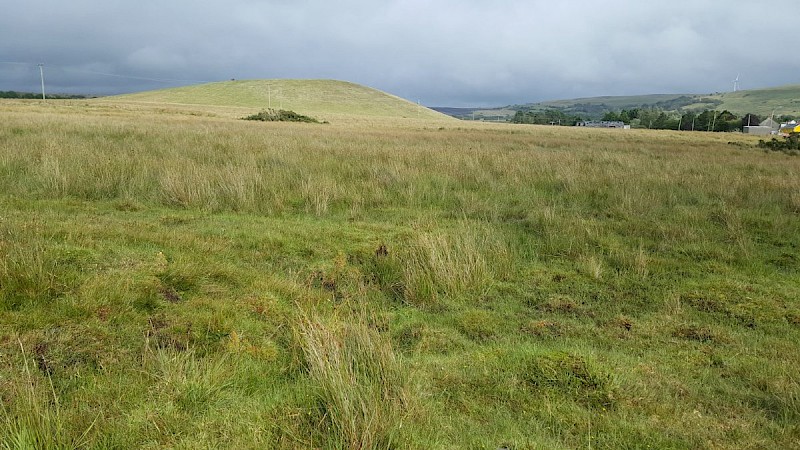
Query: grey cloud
(446, 52)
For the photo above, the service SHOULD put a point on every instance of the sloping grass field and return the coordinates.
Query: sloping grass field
(320, 97)
(173, 277)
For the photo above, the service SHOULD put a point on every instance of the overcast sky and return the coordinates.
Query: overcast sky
(439, 52)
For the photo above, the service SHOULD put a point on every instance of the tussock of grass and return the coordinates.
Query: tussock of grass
(189, 381)
(573, 375)
(34, 271)
(361, 385)
(34, 421)
(478, 325)
(452, 264)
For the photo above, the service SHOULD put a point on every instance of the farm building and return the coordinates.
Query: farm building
(757, 130)
(602, 124)
(766, 127)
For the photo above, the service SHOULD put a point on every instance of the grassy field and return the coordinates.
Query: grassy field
(172, 277)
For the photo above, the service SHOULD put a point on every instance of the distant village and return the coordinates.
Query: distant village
(764, 128)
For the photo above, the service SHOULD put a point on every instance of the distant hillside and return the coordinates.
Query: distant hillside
(784, 100)
(310, 97)
(476, 113)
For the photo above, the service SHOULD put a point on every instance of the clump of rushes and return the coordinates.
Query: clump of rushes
(281, 115)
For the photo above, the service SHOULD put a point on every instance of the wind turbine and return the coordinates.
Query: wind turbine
(736, 83)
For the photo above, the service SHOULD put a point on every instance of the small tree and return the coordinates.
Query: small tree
(749, 120)
(688, 121)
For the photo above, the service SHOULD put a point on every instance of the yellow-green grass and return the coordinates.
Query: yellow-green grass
(173, 277)
(320, 98)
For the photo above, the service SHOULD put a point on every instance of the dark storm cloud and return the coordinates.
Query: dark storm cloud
(441, 53)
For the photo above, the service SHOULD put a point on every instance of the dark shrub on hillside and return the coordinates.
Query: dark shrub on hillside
(281, 115)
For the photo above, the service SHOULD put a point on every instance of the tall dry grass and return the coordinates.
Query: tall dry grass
(477, 172)
(594, 197)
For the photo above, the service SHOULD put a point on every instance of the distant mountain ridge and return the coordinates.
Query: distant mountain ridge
(782, 100)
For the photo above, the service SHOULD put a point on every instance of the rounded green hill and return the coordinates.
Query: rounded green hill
(313, 97)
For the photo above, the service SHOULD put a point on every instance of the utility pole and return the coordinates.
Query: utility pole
(41, 74)
(772, 117)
